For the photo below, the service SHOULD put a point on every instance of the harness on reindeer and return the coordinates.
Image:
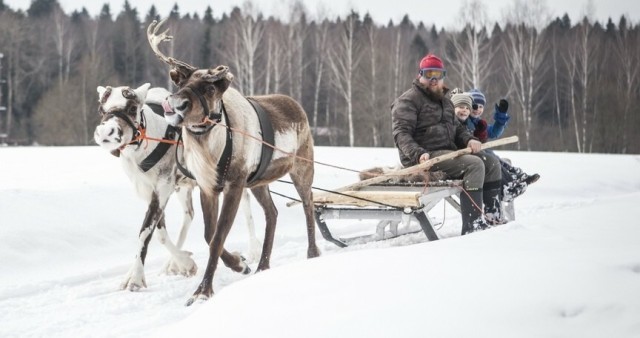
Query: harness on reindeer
(267, 133)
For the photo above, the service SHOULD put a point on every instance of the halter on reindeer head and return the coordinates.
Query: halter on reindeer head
(122, 120)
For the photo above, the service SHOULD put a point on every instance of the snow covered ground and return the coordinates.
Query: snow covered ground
(569, 266)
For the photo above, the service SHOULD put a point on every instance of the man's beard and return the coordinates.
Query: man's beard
(438, 91)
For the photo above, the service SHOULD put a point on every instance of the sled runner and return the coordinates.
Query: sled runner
(394, 201)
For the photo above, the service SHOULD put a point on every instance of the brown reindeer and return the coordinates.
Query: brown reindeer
(223, 150)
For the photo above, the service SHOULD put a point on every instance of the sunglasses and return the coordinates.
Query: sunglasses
(433, 73)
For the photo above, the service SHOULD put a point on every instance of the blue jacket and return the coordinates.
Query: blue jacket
(494, 130)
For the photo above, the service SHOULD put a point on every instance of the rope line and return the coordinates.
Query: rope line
(285, 196)
(347, 195)
(207, 119)
(142, 136)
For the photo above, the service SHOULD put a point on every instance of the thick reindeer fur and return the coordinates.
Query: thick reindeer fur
(156, 185)
(204, 146)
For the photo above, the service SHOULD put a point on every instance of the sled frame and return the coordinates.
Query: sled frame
(391, 204)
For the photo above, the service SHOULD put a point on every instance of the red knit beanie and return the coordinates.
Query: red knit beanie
(431, 61)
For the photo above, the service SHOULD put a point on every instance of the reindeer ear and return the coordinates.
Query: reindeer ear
(142, 91)
(103, 93)
(180, 74)
(220, 77)
(175, 78)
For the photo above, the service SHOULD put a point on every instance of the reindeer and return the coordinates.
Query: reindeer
(145, 144)
(224, 150)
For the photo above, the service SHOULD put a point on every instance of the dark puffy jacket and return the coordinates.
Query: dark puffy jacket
(423, 123)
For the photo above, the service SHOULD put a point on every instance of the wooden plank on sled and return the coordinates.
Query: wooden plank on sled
(418, 167)
(372, 198)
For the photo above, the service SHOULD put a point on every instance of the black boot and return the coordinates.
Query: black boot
(530, 179)
(512, 190)
(472, 219)
(493, 206)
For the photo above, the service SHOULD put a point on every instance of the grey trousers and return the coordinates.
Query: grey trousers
(476, 170)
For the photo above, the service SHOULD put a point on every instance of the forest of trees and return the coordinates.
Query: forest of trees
(571, 85)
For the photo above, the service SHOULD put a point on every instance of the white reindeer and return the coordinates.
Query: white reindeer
(146, 146)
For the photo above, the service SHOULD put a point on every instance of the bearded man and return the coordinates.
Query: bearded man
(425, 126)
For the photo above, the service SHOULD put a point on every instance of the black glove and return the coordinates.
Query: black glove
(503, 106)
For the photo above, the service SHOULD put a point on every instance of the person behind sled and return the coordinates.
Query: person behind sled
(514, 180)
(425, 126)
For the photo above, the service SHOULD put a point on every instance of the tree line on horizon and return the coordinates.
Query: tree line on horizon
(571, 86)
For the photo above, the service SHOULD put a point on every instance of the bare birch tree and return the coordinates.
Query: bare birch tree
(60, 38)
(321, 33)
(12, 39)
(297, 34)
(376, 115)
(555, 50)
(584, 58)
(344, 59)
(524, 54)
(471, 55)
(627, 50)
(572, 65)
(246, 35)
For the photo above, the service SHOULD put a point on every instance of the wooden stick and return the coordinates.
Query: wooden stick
(369, 198)
(416, 168)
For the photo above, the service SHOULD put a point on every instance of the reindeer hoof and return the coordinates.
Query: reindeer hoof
(133, 287)
(134, 282)
(181, 264)
(263, 267)
(313, 252)
(190, 301)
(196, 297)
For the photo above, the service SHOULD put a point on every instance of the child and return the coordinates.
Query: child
(501, 118)
(514, 180)
(479, 125)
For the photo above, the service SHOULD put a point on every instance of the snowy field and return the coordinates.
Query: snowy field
(569, 266)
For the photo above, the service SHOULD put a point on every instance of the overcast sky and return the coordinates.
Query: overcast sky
(441, 13)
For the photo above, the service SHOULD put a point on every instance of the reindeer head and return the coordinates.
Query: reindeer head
(120, 108)
(198, 97)
(199, 90)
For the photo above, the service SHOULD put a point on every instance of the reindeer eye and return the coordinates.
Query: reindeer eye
(211, 90)
(133, 109)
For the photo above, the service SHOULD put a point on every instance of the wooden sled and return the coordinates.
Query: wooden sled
(394, 203)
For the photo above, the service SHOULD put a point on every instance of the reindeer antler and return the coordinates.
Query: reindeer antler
(155, 39)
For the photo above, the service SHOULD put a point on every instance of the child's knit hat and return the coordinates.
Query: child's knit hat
(461, 99)
(478, 97)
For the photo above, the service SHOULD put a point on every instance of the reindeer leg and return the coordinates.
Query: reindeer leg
(271, 214)
(209, 204)
(302, 178)
(185, 196)
(253, 249)
(230, 204)
(135, 277)
(180, 262)
(233, 261)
